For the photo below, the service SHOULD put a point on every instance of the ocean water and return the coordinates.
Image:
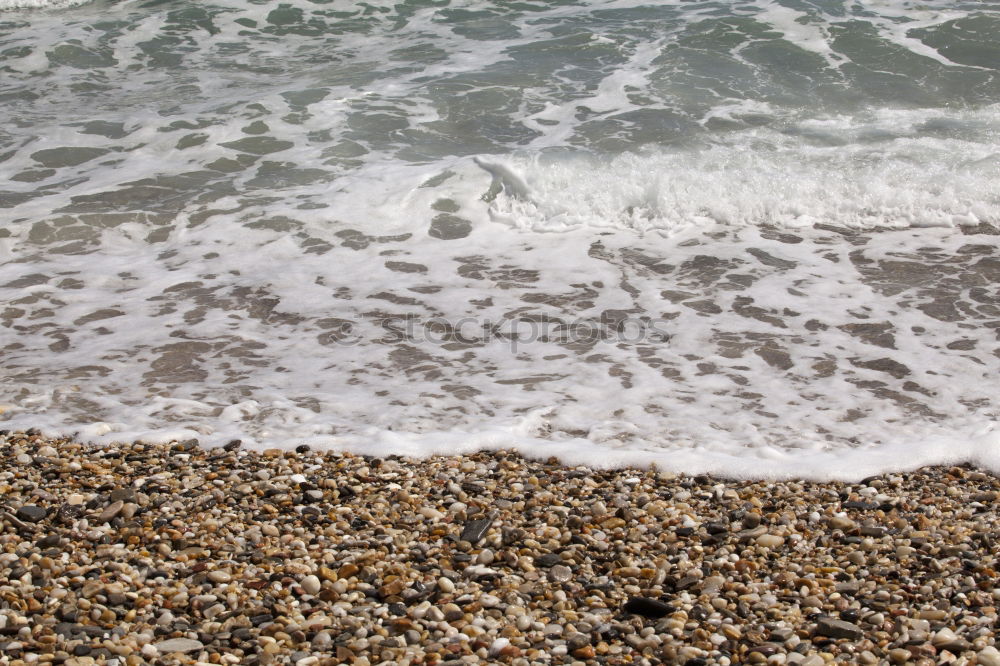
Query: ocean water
(745, 237)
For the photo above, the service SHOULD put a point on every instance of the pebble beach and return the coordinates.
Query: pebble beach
(176, 554)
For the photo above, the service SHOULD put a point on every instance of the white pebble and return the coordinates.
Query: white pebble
(310, 584)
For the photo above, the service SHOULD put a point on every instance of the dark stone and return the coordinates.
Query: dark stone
(93, 632)
(302, 448)
(547, 560)
(862, 506)
(781, 634)
(511, 535)
(397, 609)
(187, 445)
(242, 634)
(81, 650)
(48, 541)
(647, 607)
(475, 530)
(850, 615)
(68, 629)
(768, 649)
(67, 613)
(716, 528)
(833, 628)
(258, 620)
(232, 445)
(31, 513)
(123, 494)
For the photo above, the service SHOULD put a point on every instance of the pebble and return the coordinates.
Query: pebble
(31, 513)
(834, 628)
(311, 557)
(475, 530)
(178, 645)
(311, 584)
(111, 511)
(988, 656)
(770, 540)
(560, 573)
(219, 576)
(647, 607)
(842, 523)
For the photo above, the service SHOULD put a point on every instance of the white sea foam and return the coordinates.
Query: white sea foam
(219, 219)
(39, 4)
(765, 179)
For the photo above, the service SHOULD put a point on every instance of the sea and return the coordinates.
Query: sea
(750, 238)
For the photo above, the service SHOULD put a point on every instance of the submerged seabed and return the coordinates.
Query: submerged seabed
(752, 238)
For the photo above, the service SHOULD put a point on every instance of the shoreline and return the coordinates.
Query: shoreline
(165, 554)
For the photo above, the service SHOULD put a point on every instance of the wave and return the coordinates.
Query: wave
(833, 172)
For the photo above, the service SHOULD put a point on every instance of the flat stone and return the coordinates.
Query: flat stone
(834, 628)
(179, 645)
(475, 530)
(31, 513)
(647, 607)
(547, 560)
(111, 511)
(123, 494)
(48, 541)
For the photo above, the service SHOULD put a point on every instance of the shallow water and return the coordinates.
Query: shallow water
(753, 238)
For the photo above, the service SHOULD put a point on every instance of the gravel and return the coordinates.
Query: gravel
(165, 554)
